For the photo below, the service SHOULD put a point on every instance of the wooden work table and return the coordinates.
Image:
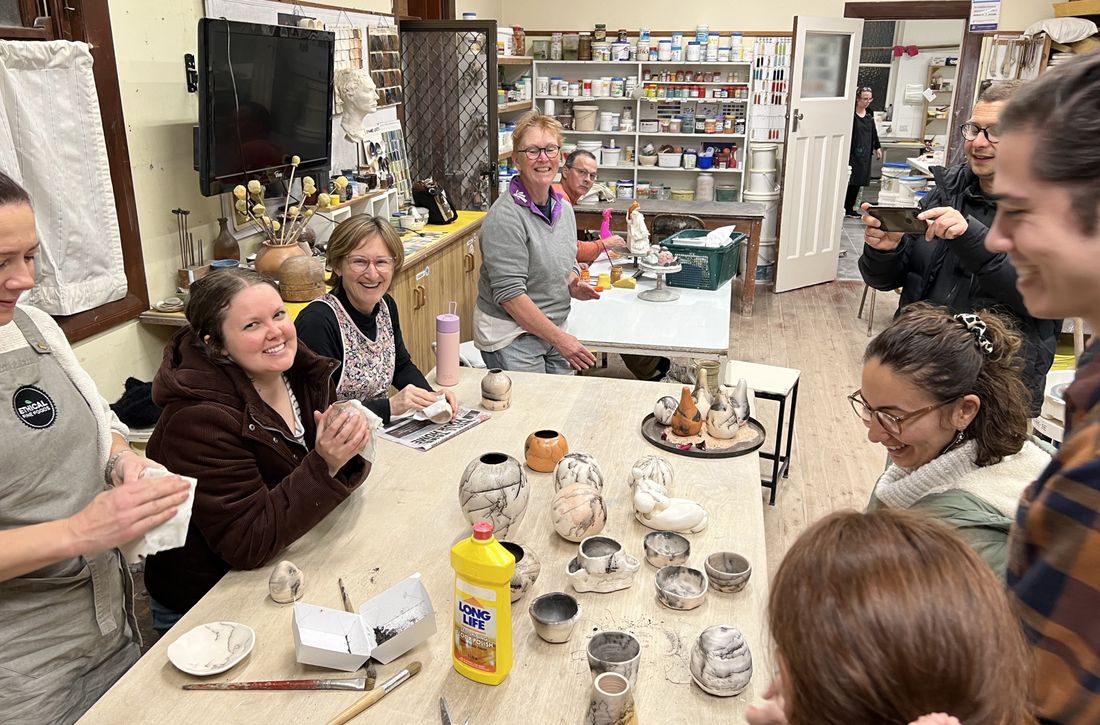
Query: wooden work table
(746, 217)
(405, 518)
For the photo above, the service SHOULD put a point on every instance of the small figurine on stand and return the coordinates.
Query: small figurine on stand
(605, 225)
(637, 236)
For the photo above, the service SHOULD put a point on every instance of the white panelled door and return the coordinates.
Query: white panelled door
(815, 177)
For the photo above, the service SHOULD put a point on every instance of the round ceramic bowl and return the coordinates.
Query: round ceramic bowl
(681, 587)
(727, 572)
(555, 616)
(664, 548)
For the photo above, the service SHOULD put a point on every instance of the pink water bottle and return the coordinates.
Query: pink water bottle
(446, 346)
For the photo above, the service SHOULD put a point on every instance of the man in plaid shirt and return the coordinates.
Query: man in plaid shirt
(1048, 222)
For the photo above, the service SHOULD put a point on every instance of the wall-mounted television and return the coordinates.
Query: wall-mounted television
(265, 95)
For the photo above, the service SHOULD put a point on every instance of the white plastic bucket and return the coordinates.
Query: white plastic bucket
(609, 121)
(584, 117)
(770, 201)
(610, 157)
(908, 186)
(762, 181)
(763, 156)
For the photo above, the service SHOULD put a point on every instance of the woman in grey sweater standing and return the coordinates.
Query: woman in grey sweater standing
(528, 268)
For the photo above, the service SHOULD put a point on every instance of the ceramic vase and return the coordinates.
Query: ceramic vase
(578, 468)
(494, 488)
(578, 511)
(722, 420)
(301, 279)
(654, 468)
(271, 256)
(225, 246)
(528, 567)
(664, 408)
(614, 651)
(496, 390)
(701, 395)
(686, 421)
(612, 702)
(721, 663)
(543, 450)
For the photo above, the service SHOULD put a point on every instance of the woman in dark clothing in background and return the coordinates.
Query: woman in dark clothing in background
(864, 143)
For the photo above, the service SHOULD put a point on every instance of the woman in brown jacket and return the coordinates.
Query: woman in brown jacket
(241, 403)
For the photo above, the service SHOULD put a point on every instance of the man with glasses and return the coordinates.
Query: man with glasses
(949, 264)
(577, 177)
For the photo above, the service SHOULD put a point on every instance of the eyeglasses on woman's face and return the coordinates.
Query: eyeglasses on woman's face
(890, 423)
(358, 265)
(971, 131)
(533, 152)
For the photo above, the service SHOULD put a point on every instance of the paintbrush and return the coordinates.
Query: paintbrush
(372, 671)
(391, 684)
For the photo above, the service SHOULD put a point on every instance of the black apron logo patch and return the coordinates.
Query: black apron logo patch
(34, 407)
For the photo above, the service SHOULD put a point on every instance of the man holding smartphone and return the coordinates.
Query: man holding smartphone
(949, 265)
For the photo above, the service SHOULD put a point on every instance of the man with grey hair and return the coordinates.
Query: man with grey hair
(949, 265)
(577, 177)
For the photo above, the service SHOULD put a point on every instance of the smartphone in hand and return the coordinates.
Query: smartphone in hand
(899, 219)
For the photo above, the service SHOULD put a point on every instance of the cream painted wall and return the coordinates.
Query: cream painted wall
(150, 40)
(485, 9)
(719, 14)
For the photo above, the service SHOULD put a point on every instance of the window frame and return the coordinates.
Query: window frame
(89, 21)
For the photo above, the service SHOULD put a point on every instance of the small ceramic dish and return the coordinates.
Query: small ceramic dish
(681, 587)
(211, 648)
(169, 304)
(727, 572)
(225, 263)
(554, 616)
(664, 548)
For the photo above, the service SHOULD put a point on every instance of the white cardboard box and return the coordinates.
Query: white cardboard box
(344, 640)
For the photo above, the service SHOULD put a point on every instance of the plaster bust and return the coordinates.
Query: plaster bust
(360, 98)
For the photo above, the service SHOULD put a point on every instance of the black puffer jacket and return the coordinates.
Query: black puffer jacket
(962, 274)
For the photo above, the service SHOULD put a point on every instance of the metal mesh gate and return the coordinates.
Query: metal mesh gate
(450, 107)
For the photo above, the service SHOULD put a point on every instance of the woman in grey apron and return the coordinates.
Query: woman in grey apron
(67, 630)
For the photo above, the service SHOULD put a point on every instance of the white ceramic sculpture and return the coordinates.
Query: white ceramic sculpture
(602, 566)
(637, 236)
(654, 508)
(721, 663)
(729, 411)
(700, 394)
(578, 468)
(655, 468)
(286, 583)
(664, 409)
(494, 488)
(578, 511)
(360, 97)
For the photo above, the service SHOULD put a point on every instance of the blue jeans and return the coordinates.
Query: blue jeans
(528, 354)
(163, 617)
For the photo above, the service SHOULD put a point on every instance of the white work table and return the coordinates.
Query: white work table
(405, 518)
(696, 325)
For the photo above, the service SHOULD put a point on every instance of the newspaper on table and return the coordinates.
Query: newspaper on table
(424, 435)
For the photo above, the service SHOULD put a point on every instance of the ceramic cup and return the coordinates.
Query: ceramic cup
(663, 548)
(527, 568)
(554, 616)
(543, 450)
(614, 651)
(681, 587)
(727, 572)
(600, 554)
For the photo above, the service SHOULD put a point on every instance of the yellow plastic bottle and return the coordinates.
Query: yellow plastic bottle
(481, 644)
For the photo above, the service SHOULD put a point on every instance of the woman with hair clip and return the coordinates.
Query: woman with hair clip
(943, 394)
(864, 143)
(887, 617)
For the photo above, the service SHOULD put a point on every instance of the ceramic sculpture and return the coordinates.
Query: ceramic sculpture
(494, 488)
(727, 571)
(681, 587)
(686, 421)
(359, 96)
(602, 566)
(286, 583)
(729, 411)
(578, 468)
(554, 616)
(655, 468)
(543, 449)
(527, 568)
(637, 236)
(615, 651)
(612, 702)
(700, 394)
(664, 409)
(578, 511)
(496, 390)
(654, 508)
(721, 663)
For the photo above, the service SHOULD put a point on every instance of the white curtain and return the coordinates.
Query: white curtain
(51, 141)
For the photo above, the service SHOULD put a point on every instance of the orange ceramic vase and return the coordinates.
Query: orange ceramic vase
(271, 256)
(543, 450)
(686, 421)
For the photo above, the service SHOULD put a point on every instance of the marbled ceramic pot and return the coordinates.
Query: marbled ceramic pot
(612, 701)
(663, 548)
(681, 587)
(578, 511)
(286, 583)
(543, 450)
(496, 390)
(494, 488)
(578, 468)
(554, 616)
(727, 572)
(721, 663)
(613, 651)
(527, 568)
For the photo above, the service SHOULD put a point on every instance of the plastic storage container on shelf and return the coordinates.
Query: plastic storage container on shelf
(891, 172)
(585, 117)
(703, 268)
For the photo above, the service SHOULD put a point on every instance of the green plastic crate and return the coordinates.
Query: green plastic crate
(704, 268)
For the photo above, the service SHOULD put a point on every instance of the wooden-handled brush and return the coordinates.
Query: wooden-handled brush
(377, 694)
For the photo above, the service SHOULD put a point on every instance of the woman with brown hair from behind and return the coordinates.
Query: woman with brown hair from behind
(888, 617)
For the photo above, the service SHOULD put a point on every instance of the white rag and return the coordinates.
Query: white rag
(171, 534)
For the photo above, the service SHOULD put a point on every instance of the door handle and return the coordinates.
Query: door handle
(796, 116)
(420, 297)
(469, 262)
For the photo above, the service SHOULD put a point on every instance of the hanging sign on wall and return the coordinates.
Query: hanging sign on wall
(985, 15)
